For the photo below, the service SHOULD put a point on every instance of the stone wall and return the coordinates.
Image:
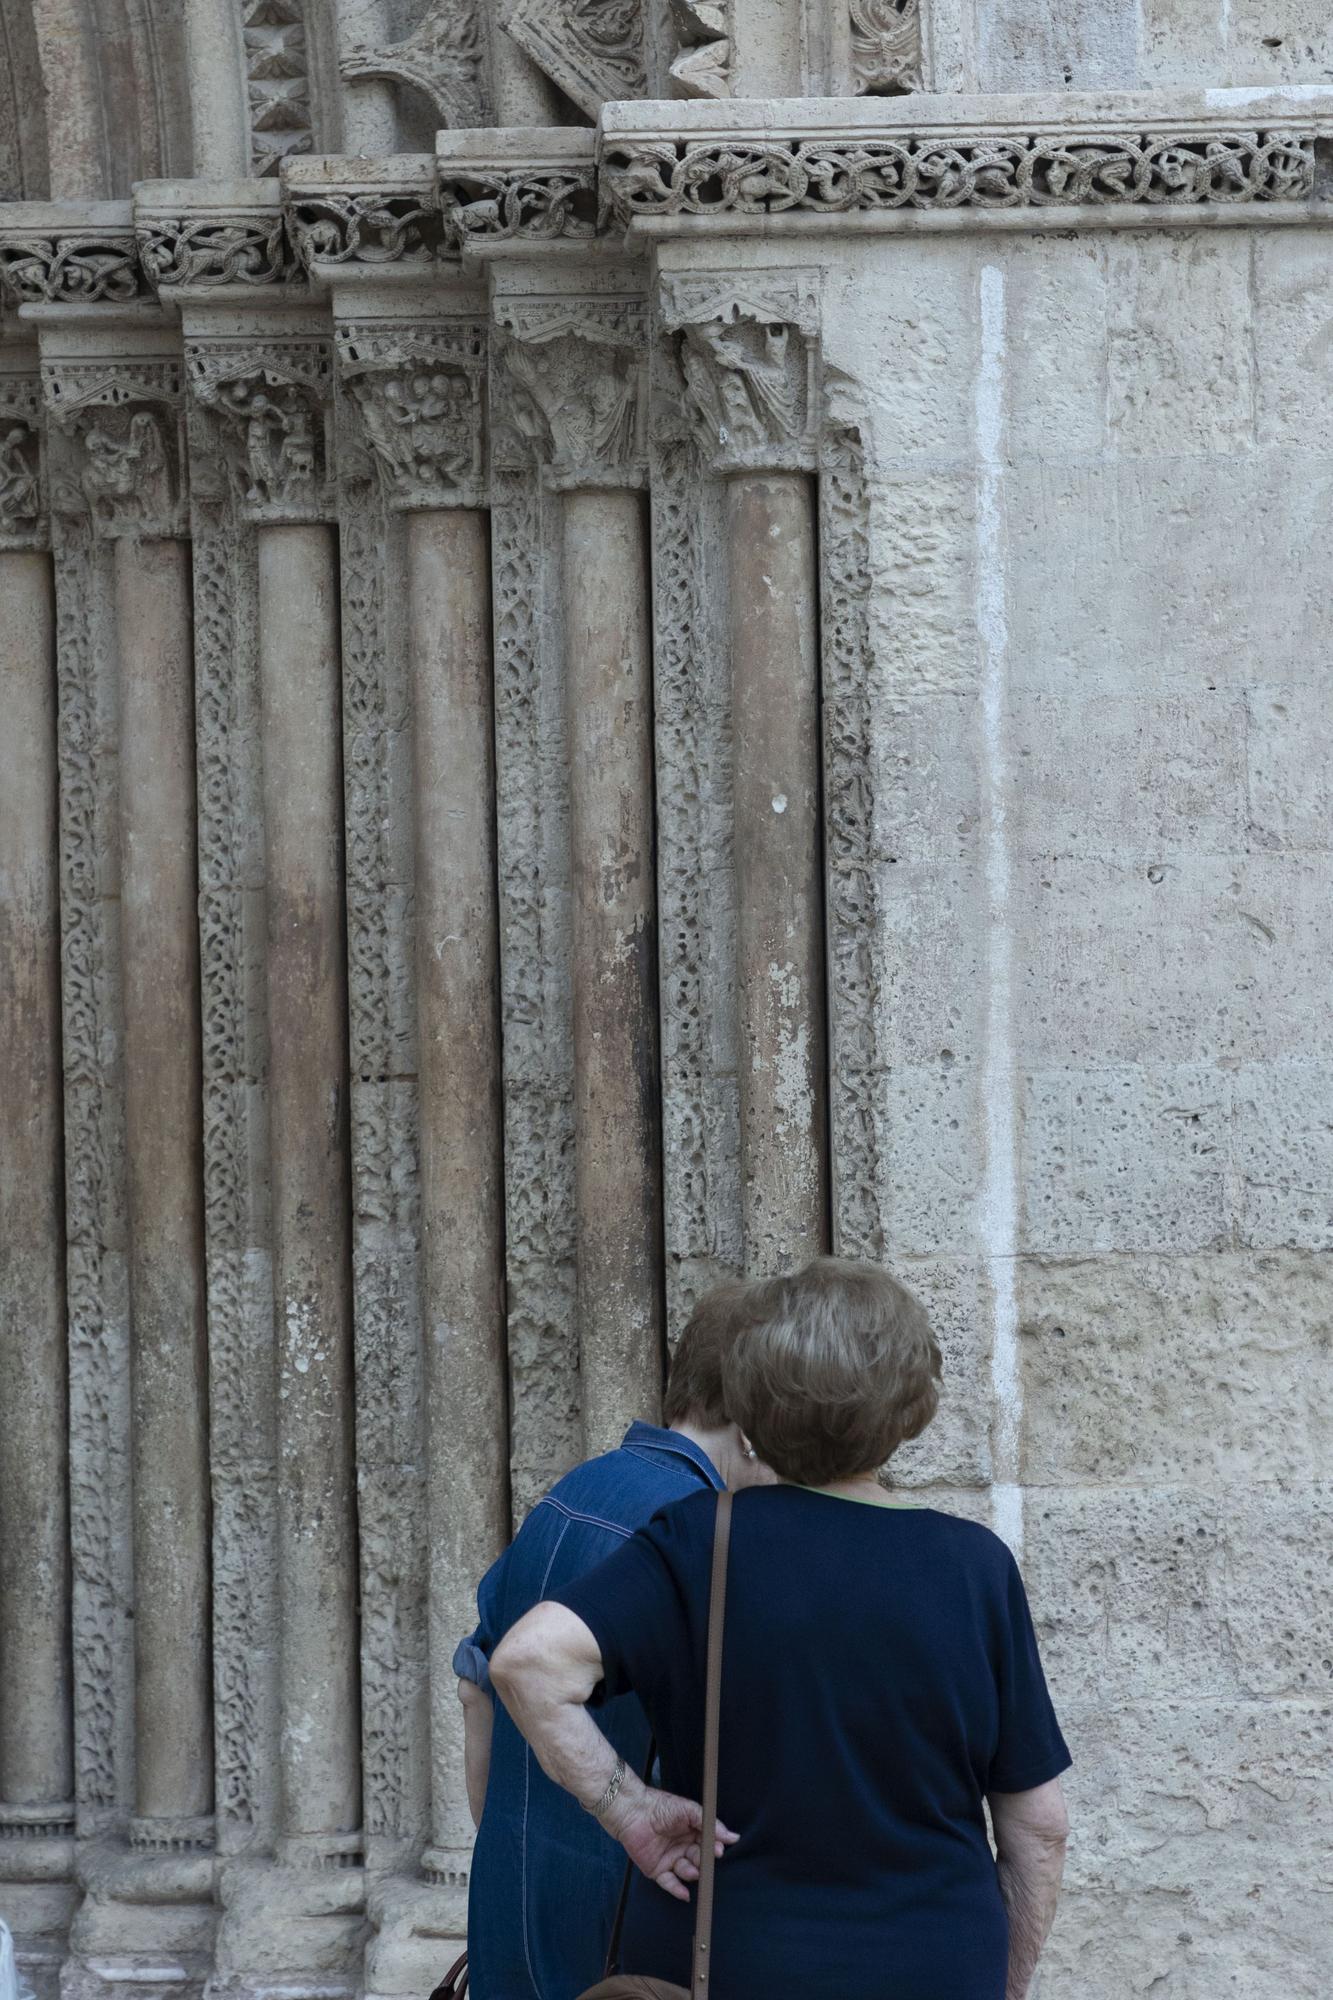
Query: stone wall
(724, 660)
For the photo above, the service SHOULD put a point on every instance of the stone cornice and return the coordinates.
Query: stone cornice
(194, 233)
(69, 253)
(369, 212)
(678, 167)
(538, 185)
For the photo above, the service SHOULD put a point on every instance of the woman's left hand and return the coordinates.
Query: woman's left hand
(660, 1833)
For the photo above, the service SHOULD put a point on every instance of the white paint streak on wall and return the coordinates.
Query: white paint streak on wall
(999, 1197)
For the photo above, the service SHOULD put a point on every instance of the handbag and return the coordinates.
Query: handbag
(626, 1986)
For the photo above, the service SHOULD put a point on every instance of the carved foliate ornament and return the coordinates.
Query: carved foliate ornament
(22, 480)
(886, 46)
(117, 444)
(419, 391)
(748, 351)
(574, 390)
(593, 49)
(78, 266)
(366, 226)
(536, 201)
(271, 411)
(245, 249)
(442, 58)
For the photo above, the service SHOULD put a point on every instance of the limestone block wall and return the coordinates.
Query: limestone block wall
(637, 690)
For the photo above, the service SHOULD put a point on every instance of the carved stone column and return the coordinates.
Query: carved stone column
(412, 352)
(747, 354)
(111, 382)
(575, 363)
(263, 384)
(36, 1738)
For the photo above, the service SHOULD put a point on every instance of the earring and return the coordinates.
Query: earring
(750, 1453)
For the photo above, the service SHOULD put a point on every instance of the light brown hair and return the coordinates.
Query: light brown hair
(694, 1379)
(835, 1367)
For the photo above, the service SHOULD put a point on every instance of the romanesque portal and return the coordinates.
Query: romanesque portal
(725, 658)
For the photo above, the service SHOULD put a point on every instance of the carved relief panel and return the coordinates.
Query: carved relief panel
(747, 352)
(22, 472)
(117, 445)
(419, 390)
(576, 379)
(272, 422)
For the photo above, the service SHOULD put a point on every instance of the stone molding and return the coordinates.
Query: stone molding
(885, 45)
(748, 352)
(363, 212)
(443, 58)
(23, 500)
(703, 66)
(277, 78)
(594, 50)
(68, 253)
(193, 234)
(537, 185)
(830, 158)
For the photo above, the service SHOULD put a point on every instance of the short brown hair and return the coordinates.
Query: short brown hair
(694, 1379)
(834, 1369)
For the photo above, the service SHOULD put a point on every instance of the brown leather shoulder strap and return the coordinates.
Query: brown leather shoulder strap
(717, 1614)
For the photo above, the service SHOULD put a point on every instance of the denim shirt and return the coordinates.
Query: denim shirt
(545, 1877)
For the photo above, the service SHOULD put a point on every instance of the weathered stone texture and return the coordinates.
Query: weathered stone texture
(961, 885)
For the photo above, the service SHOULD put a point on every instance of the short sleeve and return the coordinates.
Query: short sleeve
(472, 1656)
(1029, 1747)
(633, 1605)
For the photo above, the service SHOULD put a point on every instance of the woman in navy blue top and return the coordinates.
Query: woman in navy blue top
(880, 1683)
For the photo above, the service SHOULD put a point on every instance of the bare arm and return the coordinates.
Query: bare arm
(1031, 1829)
(478, 1722)
(544, 1671)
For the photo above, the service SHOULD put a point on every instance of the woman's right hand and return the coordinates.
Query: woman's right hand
(660, 1833)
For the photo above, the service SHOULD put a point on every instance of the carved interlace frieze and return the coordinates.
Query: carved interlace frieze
(984, 170)
(271, 407)
(277, 75)
(442, 58)
(419, 390)
(748, 351)
(116, 438)
(22, 481)
(886, 45)
(244, 249)
(74, 266)
(379, 225)
(593, 49)
(574, 389)
(539, 201)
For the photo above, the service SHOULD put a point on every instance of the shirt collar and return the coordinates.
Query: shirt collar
(653, 1438)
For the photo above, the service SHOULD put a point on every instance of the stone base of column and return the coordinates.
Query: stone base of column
(289, 1933)
(145, 1927)
(420, 1927)
(38, 1894)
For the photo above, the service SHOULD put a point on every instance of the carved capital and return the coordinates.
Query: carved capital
(22, 472)
(59, 254)
(339, 213)
(593, 49)
(886, 45)
(531, 184)
(265, 409)
(442, 58)
(573, 389)
(191, 234)
(748, 350)
(116, 439)
(419, 391)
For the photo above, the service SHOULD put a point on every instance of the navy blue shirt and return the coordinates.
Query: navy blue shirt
(545, 1877)
(880, 1677)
